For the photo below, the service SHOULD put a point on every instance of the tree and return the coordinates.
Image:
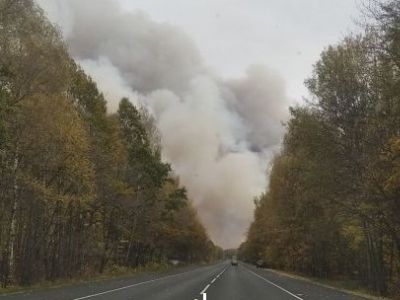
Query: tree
(332, 204)
(81, 191)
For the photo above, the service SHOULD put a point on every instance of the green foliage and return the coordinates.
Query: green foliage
(143, 160)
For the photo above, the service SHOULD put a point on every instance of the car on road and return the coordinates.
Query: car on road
(260, 264)
(234, 261)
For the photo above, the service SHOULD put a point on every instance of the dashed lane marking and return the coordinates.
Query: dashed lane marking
(132, 285)
(205, 289)
(203, 292)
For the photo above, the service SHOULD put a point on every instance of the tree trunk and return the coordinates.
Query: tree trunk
(13, 222)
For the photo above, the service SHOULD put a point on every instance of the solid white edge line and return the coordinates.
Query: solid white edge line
(132, 285)
(270, 282)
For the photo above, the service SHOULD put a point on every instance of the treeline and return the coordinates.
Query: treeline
(81, 190)
(332, 208)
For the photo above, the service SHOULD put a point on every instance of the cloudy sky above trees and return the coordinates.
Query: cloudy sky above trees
(218, 75)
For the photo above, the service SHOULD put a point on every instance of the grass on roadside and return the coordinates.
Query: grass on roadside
(347, 286)
(113, 272)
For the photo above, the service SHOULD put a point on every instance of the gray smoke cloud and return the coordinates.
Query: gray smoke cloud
(217, 134)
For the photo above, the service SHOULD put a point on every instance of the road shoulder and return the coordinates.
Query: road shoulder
(99, 280)
(317, 282)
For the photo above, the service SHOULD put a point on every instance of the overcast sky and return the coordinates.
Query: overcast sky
(285, 35)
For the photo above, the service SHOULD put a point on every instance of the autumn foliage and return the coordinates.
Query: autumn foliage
(81, 190)
(332, 208)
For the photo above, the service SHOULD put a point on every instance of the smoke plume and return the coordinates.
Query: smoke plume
(217, 134)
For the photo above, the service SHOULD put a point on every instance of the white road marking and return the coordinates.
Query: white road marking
(270, 282)
(132, 285)
(205, 289)
(203, 292)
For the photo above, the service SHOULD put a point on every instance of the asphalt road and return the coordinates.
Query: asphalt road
(219, 282)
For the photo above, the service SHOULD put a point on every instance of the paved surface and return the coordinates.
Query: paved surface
(219, 282)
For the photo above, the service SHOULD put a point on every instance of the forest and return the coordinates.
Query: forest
(332, 206)
(82, 190)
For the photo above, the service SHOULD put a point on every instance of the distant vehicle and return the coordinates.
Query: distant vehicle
(234, 261)
(261, 263)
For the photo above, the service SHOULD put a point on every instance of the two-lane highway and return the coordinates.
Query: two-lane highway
(220, 282)
(245, 282)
